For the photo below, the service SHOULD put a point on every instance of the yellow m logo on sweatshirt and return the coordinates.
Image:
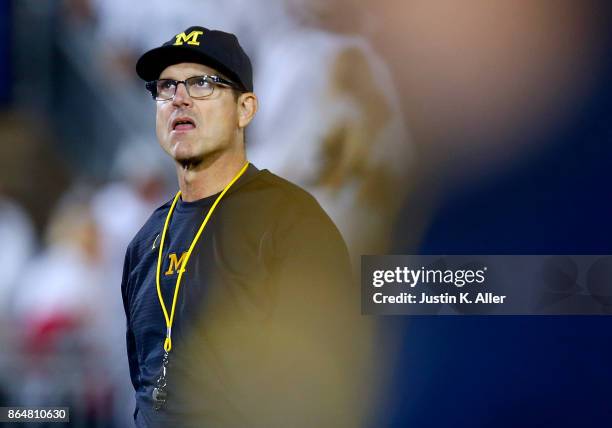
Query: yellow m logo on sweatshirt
(176, 263)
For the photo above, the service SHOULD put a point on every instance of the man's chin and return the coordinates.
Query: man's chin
(183, 153)
(189, 162)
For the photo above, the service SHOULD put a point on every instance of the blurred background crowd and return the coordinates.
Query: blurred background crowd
(420, 126)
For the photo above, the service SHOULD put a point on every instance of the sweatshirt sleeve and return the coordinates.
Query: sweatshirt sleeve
(129, 334)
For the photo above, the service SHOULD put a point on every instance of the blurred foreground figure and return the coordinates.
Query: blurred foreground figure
(241, 310)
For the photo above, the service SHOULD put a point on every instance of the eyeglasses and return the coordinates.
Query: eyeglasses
(198, 87)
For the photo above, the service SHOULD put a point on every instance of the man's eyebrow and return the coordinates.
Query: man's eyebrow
(190, 77)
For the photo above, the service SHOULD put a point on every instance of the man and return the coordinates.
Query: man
(237, 292)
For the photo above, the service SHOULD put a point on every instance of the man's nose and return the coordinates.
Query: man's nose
(181, 97)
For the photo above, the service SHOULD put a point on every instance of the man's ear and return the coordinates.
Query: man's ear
(247, 107)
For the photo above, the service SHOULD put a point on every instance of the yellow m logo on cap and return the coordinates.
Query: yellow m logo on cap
(190, 39)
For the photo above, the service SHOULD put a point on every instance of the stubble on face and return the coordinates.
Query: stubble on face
(214, 120)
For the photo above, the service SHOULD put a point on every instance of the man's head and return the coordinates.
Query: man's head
(202, 81)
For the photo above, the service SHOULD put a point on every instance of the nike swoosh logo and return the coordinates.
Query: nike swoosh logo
(155, 242)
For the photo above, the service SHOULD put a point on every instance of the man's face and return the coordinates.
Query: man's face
(214, 120)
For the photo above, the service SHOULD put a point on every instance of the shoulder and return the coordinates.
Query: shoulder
(282, 198)
(295, 210)
(303, 232)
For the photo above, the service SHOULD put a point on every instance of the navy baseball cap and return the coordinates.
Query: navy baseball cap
(214, 48)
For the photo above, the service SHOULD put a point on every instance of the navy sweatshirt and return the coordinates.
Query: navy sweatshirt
(269, 252)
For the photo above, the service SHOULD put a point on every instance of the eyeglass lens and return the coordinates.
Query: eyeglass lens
(197, 87)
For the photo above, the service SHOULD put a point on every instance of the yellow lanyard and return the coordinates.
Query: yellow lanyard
(170, 320)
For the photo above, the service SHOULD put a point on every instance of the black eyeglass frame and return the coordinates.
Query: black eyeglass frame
(215, 80)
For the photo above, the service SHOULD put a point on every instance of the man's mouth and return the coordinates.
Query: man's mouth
(183, 124)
